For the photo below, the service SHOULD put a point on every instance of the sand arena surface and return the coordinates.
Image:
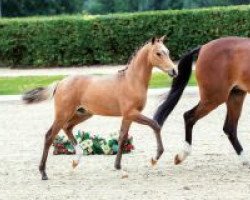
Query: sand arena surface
(213, 171)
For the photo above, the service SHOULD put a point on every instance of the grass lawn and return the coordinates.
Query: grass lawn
(17, 85)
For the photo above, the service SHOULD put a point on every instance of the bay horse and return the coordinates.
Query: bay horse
(78, 98)
(223, 76)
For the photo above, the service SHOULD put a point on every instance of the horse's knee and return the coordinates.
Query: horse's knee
(156, 126)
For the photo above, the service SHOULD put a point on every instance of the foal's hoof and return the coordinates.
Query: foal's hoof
(74, 164)
(118, 167)
(177, 160)
(153, 162)
(45, 177)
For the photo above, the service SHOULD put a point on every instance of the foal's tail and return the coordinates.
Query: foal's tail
(40, 94)
(177, 88)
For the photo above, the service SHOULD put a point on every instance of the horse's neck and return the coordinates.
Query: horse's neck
(139, 72)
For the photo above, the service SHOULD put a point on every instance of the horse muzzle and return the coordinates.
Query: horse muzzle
(173, 73)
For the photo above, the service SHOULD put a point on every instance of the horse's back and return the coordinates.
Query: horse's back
(98, 94)
(223, 64)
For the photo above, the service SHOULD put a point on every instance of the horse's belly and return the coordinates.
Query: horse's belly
(104, 110)
(102, 106)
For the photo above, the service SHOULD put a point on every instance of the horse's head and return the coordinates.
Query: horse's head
(159, 57)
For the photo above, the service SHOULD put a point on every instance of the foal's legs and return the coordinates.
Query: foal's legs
(234, 108)
(122, 138)
(136, 116)
(190, 118)
(68, 128)
(141, 119)
(49, 137)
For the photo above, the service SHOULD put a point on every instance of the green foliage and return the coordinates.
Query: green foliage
(111, 39)
(14, 8)
(112, 6)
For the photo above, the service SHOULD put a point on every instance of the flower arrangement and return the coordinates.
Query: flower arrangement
(91, 144)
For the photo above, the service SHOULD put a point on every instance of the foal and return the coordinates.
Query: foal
(78, 98)
(223, 76)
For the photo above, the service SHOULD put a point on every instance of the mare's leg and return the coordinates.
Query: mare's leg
(122, 138)
(49, 137)
(190, 118)
(141, 119)
(234, 108)
(68, 128)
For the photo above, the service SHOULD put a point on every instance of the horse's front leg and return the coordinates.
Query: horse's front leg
(141, 119)
(122, 138)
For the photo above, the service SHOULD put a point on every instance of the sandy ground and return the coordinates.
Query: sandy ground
(213, 171)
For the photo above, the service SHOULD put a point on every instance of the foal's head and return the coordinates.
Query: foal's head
(159, 57)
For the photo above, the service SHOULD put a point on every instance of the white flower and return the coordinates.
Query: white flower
(64, 139)
(87, 145)
(79, 140)
(106, 149)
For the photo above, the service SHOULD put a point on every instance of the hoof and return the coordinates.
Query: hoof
(246, 163)
(45, 177)
(153, 162)
(74, 164)
(177, 160)
(118, 167)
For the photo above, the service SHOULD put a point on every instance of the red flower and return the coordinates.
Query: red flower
(128, 147)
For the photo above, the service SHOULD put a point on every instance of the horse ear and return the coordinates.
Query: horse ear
(162, 38)
(153, 40)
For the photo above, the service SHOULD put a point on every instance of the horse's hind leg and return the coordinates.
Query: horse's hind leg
(49, 137)
(62, 116)
(234, 108)
(68, 128)
(76, 119)
(190, 118)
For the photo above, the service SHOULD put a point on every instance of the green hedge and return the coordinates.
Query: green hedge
(111, 39)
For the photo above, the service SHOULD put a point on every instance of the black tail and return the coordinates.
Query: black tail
(177, 88)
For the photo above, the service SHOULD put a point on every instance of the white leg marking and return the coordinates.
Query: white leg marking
(78, 155)
(187, 149)
(243, 159)
(124, 174)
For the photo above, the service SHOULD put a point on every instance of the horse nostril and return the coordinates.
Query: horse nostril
(173, 73)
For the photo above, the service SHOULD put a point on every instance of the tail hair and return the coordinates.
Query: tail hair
(177, 88)
(39, 94)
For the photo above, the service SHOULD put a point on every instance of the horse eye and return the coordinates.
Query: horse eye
(158, 54)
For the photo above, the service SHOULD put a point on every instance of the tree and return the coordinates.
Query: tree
(0, 8)
(14, 8)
